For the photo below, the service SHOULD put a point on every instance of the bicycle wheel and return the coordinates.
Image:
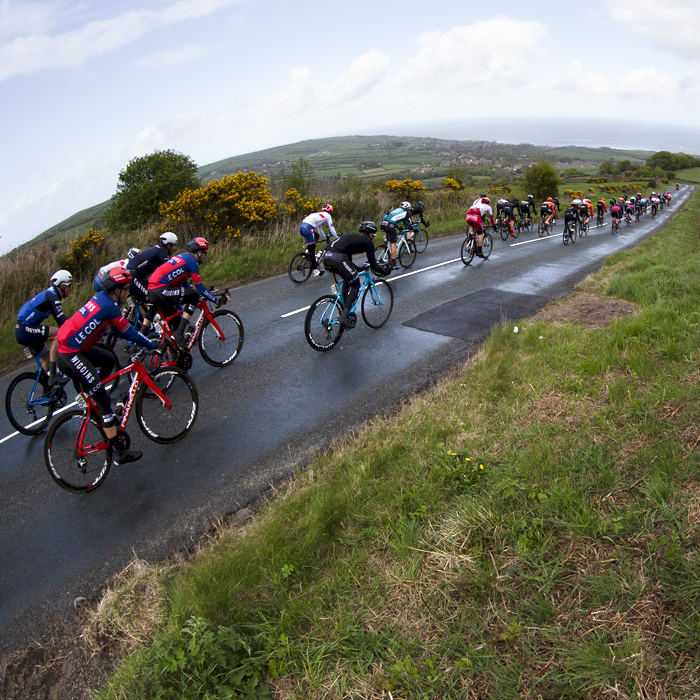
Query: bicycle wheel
(220, 347)
(566, 235)
(573, 234)
(382, 254)
(504, 231)
(321, 325)
(420, 239)
(406, 254)
(487, 245)
(377, 303)
(540, 229)
(159, 423)
(468, 250)
(299, 268)
(69, 470)
(29, 410)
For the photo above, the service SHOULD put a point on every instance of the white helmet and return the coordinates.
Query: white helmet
(61, 277)
(133, 252)
(168, 238)
(405, 205)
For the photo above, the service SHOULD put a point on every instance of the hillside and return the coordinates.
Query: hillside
(380, 158)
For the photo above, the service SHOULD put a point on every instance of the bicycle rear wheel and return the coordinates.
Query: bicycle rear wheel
(28, 409)
(299, 268)
(158, 422)
(407, 254)
(377, 303)
(321, 325)
(487, 245)
(71, 471)
(420, 239)
(382, 254)
(220, 347)
(468, 250)
(540, 229)
(573, 234)
(504, 231)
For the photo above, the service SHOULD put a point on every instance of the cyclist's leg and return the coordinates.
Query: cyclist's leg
(351, 288)
(34, 337)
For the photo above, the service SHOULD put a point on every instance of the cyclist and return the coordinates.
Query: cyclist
(644, 202)
(30, 329)
(80, 359)
(654, 203)
(586, 211)
(97, 283)
(616, 213)
(310, 228)
(509, 207)
(145, 262)
(613, 202)
(338, 258)
(629, 210)
(556, 204)
(524, 207)
(400, 219)
(475, 217)
(168, 287)
(571, 213)
(677, 186)
(547, 209)
(602, 207)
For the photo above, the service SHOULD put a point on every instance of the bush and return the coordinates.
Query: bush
(542, 181)
(407, 189)
(80, 257)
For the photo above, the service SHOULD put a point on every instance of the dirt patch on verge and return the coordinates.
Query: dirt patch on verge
(587, 310)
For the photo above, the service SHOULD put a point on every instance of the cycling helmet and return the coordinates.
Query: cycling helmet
(327, 207)
(482, 196)
(168, 238)
(197, 244)
(405, 205)
(485, 200)
(549, 199)
(133, 252)
(368, 227)
(530, 197)
(61, 277)
(115, 278)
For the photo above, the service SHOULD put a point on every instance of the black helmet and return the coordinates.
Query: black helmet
(114, 278)
(368, 227)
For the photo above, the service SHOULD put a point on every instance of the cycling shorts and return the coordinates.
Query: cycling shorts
(309, 233)
(33, 337)
(474, 220)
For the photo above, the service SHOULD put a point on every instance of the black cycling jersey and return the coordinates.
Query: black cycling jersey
(145, 262)
(571, 214)
(353, 243)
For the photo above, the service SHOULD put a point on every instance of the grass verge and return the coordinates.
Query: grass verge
(529, 528)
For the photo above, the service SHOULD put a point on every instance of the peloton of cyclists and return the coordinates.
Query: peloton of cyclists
(80, 359)
(475, 217)
(338, 259)
(312, 229)
(30, 330)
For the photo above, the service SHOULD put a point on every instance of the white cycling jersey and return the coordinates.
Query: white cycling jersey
(106, 268)
(485, 209)
(318, 219)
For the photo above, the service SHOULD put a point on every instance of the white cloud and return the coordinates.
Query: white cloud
(493, 54)
(24, 18)
(174, 57)
(31, 53)
(667, 25)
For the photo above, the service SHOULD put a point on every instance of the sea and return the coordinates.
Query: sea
(562, 132)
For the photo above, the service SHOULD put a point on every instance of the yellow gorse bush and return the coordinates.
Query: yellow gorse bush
(453, 184)
(407, 189)
(300, 205)
(81, 252)
(221, 208)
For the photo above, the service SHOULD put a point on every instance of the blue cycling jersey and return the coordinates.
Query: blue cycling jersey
(39, 308)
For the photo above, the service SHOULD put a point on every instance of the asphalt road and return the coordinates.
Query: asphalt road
(265, 415)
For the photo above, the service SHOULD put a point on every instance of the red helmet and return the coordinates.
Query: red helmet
(485, 200)
(197, 244)
(116, 277)
(549, 199)
(327, 207)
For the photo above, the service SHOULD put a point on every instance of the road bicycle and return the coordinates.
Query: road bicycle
(419, 237)
(544, 227)
(300, 266)
(405, 251)
(525, 224)
(569, 232)
(628, 219)
(615, 226)
(219, 335)
(636, 214)
(30, 401)
(600, 219)
(322, 326)
(504, 229)
(470, 243)
(76, 450)
(583, 227)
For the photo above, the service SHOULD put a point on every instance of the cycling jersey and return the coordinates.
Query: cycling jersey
(82, 330)
(602, 204)
(589, 206)
(476, 214)
(106, 268)
(147, 261)
(318, 219)
(616, 212)
(40, 307)
(571, 213)
(175, 273)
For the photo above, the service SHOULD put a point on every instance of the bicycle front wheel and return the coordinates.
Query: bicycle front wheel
(487, 245)
(377, 303)
(468, 249)
(322, 326)
(221, 340)
(299, 268)
(159, 422)
(573, 234)
(76, 452)
(420, 240)
(505, 232)
(540, 229)
(28, 409)
(407, 254)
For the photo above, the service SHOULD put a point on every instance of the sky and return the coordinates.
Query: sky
(87, 86)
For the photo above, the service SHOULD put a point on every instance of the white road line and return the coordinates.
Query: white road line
(55, 413)
(392, 279)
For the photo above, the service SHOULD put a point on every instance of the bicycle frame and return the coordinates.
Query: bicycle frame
(89, 405)
(44, 399)
(336, 289)
(205, 315)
